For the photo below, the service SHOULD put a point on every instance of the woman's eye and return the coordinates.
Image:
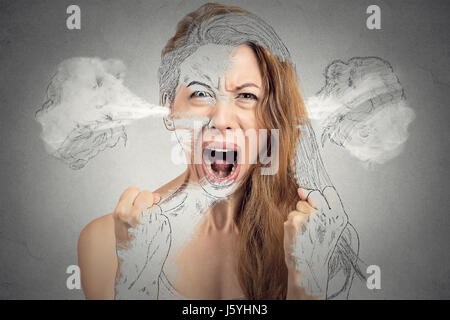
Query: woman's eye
(246, 95)
(201, 94)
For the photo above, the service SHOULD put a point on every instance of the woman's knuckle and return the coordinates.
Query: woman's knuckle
(147, 194)
(122, 213)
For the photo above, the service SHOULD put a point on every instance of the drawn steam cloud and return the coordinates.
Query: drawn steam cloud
(87, 108)
(362, 108)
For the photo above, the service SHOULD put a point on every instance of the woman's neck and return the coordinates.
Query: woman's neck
(221, 216)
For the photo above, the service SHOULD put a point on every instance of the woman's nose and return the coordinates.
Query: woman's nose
(222, 117)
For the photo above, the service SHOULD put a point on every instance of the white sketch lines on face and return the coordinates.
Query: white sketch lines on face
(203, 71)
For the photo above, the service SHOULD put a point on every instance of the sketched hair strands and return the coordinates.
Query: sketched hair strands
(363, 108)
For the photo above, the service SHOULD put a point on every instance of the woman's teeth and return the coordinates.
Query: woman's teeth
(221, 163)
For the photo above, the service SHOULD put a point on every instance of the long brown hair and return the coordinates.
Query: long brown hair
(266, 199)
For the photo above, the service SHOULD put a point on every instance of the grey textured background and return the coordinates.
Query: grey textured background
(400, 209)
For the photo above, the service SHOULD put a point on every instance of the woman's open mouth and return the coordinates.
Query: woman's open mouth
(220, 161)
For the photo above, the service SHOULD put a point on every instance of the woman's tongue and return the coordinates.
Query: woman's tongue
(221, 169)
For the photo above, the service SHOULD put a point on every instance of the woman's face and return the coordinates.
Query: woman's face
(223, 85)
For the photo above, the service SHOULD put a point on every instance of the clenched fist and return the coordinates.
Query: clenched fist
(311, 233)
(142, 243)
(127, 213)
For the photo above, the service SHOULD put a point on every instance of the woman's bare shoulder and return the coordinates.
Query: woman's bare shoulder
(97, 237)
(97, 258)
(103, 225)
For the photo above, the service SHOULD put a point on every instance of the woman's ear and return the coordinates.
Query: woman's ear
(165, 100)
(168, 122)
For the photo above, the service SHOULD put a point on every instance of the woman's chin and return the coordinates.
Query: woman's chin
(221, 176)
(219, 184)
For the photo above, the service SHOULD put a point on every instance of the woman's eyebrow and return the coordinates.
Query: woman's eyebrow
(199, 83)
(247, 84)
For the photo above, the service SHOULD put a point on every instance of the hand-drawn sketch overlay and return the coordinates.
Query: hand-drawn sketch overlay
(167, 226)
(340, 257)
(86, 109)
(85, 141)
(362, 108)
(328, 247)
